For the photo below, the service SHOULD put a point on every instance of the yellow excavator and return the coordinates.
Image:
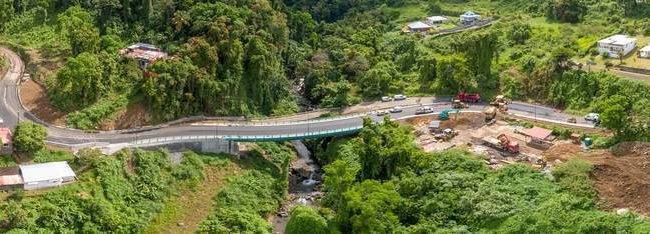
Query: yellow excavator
(499, 104)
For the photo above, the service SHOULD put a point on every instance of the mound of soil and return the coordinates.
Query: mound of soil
(622, 176)
(35, 99)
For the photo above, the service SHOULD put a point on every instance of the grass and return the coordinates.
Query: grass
(411, 13)
(7, 161)
(184, 212)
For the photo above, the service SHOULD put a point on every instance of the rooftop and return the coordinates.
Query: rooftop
(46, 171)
(10, 180)
(618, 39)
(469, 13)
(5, 135)
(437, 18)
(537, 132)
(418, 25)
(434, 124)
(143, 51)
(645, 49)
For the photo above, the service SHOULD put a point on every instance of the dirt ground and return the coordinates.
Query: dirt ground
(34, 97)
(135, 115)
(621, 175)
(471, 129)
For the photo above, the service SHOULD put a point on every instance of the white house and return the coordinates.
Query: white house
(645, 52)
(469, 17)
(616, 45)
(431, 20)
(44, 175)
(418, 26)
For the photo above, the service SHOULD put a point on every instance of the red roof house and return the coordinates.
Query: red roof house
(538, 133)
(5, 136)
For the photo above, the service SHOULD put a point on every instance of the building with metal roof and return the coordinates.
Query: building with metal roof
(418, 26)
(617, 45)
(645, 52)
(436, 19)
(145, 53)
(44, 175)
(5, 136)
(469, 17)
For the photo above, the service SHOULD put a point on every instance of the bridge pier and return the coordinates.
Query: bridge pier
(219, 146)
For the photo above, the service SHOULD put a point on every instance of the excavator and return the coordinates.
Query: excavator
(458, 104)
(444, 115)
(499, 104)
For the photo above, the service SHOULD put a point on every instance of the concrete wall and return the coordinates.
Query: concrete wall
(207, 146)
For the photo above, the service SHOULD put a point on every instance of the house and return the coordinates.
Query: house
(616, 45)
(469, 18)
(645, 52)
(146, 54)
(434, 126)
(5, 136)
(538, 133)
(432, 20)
(418, 26)
(8, 182)
(45, 175)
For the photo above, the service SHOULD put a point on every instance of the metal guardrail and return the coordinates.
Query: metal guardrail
(251, 138)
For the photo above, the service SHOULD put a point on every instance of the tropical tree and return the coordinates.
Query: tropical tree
(29, 137)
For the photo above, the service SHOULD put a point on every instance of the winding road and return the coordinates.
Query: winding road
(12, 111)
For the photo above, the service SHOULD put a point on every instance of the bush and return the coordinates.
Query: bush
(306, 220)
(573, 176)
(43, 156)
(94, 115)
(29, 137)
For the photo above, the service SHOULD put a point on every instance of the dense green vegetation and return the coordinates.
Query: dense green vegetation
(306, 219)
(244, 57)
(244, 203)
(29, 137)
(405, 190)
(114, 194)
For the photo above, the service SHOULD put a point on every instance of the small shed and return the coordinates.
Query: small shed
(436, 19)
(645, 52)
(538, 133)
(434, 126)
(44, 175)
(418, 26)
(5, 136)
(8, 182)
(146, 54)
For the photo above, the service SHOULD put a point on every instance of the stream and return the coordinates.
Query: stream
(304, 186)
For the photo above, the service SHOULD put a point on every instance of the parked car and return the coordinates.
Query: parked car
(381, 112)
(396, 109)
(399, 97)
(386, 99)
(424, 110)
(592, 117)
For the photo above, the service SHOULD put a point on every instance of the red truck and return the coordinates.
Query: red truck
(468, 97)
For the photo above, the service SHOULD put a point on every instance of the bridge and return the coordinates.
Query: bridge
(219, 137)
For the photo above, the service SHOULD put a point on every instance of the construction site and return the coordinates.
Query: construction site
(620, 174)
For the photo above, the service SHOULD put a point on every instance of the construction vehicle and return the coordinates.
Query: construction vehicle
(468, 97)
(444, 115)
(500, 102)
(490, 113)
(502, 142)
(457, 104)
(446, 134)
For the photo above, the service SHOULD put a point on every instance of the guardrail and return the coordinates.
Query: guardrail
(251, 138)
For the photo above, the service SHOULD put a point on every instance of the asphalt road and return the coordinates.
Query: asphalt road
(11, 111)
